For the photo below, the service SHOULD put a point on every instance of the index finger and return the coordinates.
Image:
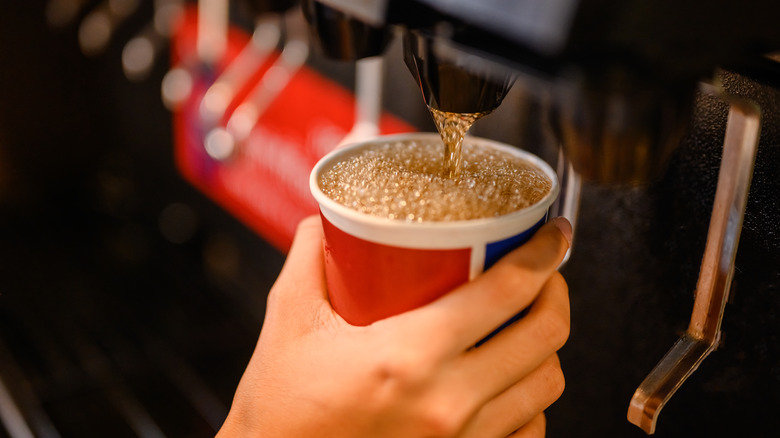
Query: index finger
(470, 312)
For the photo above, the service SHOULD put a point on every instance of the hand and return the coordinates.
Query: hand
(415, 374)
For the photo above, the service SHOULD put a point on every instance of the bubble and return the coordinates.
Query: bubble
(404, 181)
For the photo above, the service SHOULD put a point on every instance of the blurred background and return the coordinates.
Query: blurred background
(129, 302)
(133, 275)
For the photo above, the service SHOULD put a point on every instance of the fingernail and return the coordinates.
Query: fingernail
(564, 226)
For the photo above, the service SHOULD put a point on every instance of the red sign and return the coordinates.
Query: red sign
(264, 183)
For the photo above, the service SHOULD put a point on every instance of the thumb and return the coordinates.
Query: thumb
(300, 288)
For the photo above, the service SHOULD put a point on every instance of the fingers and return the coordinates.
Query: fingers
(519, 406)
(475, 309)
(520, 348)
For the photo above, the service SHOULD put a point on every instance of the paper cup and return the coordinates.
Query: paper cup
(377, 267)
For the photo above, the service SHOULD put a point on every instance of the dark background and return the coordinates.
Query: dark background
(112, 326)
(109, 324)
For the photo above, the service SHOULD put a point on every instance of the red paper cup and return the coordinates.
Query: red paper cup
(377, 267)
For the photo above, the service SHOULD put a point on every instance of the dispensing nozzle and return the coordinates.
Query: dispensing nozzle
(259, 7)
(619, 127)
(448, 84)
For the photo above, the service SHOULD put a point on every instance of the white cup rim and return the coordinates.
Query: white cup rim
(374, 226)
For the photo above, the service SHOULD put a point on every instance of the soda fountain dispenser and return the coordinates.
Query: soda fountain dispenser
(624, 80)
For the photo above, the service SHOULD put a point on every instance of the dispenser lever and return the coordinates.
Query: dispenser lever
(703, 334)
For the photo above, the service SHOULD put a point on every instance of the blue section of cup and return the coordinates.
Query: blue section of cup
(494, 251)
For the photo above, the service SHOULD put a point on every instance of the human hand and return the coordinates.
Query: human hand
(415, 374)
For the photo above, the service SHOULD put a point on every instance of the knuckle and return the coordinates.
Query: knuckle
(523, 272)
(410, 379)
(557, 320)
(556, 381)
(401, 369)
(526, 259)
(558, 283)
(506, 279)
(442, 420)
(553, 328)
(539, 426)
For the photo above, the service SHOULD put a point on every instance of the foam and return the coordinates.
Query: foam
(407, 180)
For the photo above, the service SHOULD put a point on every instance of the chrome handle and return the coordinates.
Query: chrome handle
(717, 267)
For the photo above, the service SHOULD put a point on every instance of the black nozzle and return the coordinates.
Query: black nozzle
(450, 85)
(622, 128)
(340, 36)
(259, 7)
